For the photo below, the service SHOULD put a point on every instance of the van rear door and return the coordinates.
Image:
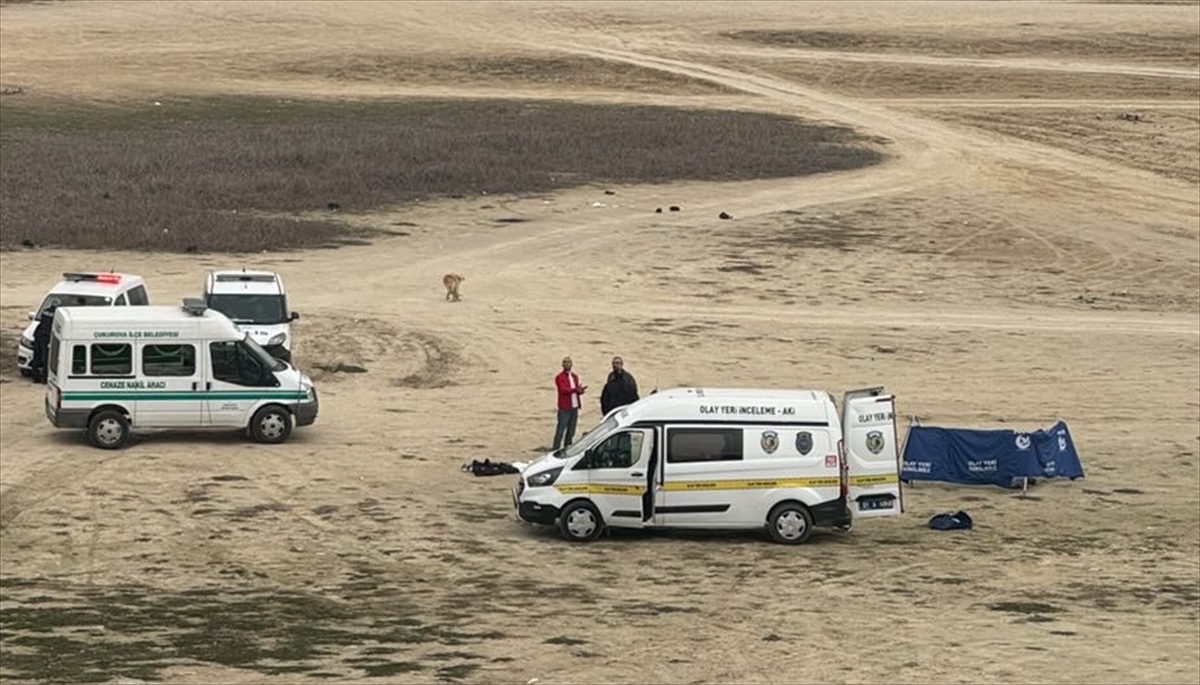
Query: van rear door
(872, 458)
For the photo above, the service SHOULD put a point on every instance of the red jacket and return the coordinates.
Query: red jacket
(568, 390)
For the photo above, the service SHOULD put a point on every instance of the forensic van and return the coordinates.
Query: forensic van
(257, 303)
(783, 460)
(110, 371)
(82, 289)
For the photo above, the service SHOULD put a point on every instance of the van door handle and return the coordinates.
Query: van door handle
(636, 474)
(195, 385)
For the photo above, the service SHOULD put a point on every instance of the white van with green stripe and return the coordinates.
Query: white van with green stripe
(783, 460)
(112, 370)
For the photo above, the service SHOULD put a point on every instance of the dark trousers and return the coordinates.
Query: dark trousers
(37, 365)
(564, 432)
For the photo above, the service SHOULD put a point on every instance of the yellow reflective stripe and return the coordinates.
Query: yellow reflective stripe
(760, 484)
(881, 479)
(571, 489)
(609, 489)
(600, 489)
(694, 485)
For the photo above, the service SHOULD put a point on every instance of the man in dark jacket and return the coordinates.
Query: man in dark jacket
(41, 344)
(620, 390)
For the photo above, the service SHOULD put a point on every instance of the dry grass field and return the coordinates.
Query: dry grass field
(991, 209)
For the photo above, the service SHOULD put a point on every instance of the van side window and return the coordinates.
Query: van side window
(233, 363)
(169, 360)
(619, 451)
(137, 296)
(52, 356)
(703, 444)
(79, 360)
(113, 359)
(121, 301)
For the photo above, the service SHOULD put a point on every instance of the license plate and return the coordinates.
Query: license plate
(876, 504)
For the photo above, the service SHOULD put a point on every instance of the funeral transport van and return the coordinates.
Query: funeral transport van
(112, 370)
(783, 460)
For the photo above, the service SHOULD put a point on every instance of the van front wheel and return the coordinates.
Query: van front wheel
(272, 425)
(580, 521)
(108, 429)
(790, 523)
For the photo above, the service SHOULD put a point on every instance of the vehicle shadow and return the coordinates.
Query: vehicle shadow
(175, 436)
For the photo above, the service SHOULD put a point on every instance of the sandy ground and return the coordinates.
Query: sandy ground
(988, 278)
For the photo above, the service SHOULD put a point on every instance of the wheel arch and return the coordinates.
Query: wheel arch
(786, 500)
(254, 411)
(577, 499)
(110, 406)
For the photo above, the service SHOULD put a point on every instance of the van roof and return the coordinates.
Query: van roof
(244, 282)
(214, 322)
(745, 393)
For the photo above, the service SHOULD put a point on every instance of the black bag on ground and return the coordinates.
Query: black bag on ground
(958, 521)
(488, 467)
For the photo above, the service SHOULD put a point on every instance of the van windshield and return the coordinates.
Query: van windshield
(263, 356)
(266, 310)
(73, 300)
(590, 438)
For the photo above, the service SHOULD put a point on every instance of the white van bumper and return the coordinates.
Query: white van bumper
(66, 418)
(529, 510)
(24, 358)
(306, 412)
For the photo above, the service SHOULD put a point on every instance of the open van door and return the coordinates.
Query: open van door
(871, 453)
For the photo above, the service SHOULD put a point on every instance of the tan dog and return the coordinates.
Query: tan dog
(452, 281)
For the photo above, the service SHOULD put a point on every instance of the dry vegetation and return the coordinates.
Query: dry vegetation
(1160, 140)
(238, 176)
(1025, 39)
(880, 80)
(1160, 136)
(576, 72)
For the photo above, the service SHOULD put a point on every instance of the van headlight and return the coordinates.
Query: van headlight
(26, 341)
(277, 339)
(544, 478)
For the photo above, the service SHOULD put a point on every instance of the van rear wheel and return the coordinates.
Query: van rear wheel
(790, 523)
(580, 521)
(108, 429)
(271, 425)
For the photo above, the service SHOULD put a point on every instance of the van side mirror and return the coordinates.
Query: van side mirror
(31, 315)
(295, 315)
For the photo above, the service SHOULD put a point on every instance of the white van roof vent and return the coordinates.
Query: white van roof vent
(194, 306)
(244, 277)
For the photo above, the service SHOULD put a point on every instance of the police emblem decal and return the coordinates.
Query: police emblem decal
(875, 442)
(769, 442)
(1023, 442)
(804, 442)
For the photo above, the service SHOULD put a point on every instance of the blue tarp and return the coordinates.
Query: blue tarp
(989, 457)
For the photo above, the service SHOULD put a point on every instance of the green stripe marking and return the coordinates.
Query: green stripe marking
(151, 396)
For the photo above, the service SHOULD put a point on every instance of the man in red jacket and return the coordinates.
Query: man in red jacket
(569, 402)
